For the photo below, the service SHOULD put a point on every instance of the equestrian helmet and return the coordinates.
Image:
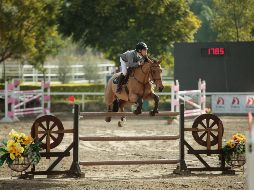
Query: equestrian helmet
(140, 46)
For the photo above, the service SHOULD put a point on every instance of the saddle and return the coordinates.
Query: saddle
(126, 78)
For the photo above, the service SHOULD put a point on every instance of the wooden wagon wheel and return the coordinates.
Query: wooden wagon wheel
(49, 130)
(209, 126)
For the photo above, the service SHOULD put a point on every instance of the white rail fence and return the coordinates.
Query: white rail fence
(27, 73)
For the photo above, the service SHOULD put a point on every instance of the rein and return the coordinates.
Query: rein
(149, 73)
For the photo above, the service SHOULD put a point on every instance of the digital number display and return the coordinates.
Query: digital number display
(213, 51)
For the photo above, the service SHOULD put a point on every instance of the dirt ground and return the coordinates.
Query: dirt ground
(143, 177)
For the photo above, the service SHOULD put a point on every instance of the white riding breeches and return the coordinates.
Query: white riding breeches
(123, 67)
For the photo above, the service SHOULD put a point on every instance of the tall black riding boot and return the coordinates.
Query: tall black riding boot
(120, 83)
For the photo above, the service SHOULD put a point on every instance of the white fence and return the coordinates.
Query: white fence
(29, 74)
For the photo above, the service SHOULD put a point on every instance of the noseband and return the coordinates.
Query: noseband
(149, 72)
(154, 79)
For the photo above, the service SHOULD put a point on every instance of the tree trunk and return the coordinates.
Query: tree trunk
(4, 74)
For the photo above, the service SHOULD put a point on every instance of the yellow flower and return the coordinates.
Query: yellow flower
(27, 140)
(231, 143)
(14, 148)
(12, 156)
(13, 134)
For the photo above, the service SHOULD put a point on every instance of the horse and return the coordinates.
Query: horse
(138, 88)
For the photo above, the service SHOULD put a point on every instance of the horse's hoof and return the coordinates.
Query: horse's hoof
(120, 124)
(108, 119)
(137, 111)
(153, 112)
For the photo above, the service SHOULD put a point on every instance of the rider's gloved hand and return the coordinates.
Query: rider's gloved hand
(141, 63)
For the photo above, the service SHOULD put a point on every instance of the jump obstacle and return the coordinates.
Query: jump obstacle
(44, 127)
(198, 106)
(18, 99)
(250, 154)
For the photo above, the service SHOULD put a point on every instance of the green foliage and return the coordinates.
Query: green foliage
(28, 30)
(73, 53)
(83, 88)
(234, 20)
(113, 26)
(203, 9)
(33, 152)
(91, 71)
(68, 87)
(19, 146)
(235, 147)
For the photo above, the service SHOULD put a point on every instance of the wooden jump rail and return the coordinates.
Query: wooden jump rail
(77, 138)
(48, 126)
(131, 138)
(129, 162)
(128, 114)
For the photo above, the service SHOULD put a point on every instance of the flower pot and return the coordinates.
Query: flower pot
(19, 165)
(237, 160)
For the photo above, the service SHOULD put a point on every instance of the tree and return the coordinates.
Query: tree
(203, 9)
(113, 26)
(64, 68)
(28, 30)
(90, 61)
(234, 20)
(91, 71)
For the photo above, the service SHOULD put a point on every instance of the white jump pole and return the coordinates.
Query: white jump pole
(202, 87)
(250, 154)
(177, 95)
(11, 95)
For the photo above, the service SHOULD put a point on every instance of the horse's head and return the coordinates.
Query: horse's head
(155, 73)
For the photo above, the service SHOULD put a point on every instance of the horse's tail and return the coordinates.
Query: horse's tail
(115, 105)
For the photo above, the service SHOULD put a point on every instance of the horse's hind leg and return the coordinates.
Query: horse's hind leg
(122, 122)
(112, 108)
(108, 119)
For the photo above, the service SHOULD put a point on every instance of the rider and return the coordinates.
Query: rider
(131, 59)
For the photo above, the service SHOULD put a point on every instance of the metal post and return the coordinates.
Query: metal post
(173, 97)
(42, 97)
(181, 132)
(83, 102)
(75, 169)
(49, 100)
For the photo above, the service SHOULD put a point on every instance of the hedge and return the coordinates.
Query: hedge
(73, 88)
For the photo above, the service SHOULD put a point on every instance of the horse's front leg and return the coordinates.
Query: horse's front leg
(134, 98)
(156, 104)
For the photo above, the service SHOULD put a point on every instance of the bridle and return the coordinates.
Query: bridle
(149, 72)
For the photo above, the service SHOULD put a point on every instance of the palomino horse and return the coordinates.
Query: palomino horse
(139, 87)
